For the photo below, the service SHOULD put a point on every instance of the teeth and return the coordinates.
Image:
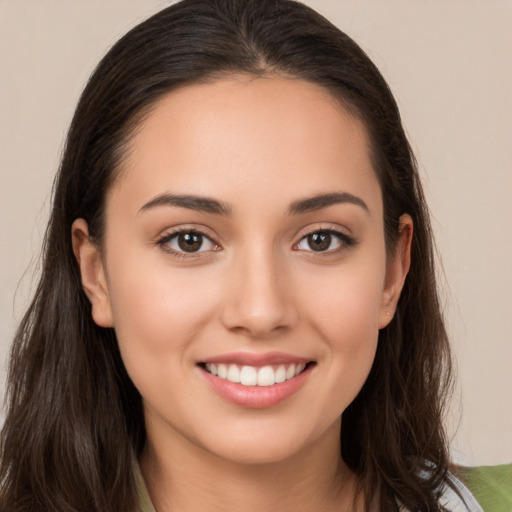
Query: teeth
(248, 376)
(251, 376)
(222, 371)
(266, 376)
(233, 373)
(280, 374)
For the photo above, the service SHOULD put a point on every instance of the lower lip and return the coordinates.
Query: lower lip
(256, 397)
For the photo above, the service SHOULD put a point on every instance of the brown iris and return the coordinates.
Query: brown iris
(190, 242)
(319, 241)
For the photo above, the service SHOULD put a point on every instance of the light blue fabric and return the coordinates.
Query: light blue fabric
(455, 503)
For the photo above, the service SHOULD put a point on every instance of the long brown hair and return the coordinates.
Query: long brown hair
(75, 422)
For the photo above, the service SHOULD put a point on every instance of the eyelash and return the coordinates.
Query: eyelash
(164, 240)
(344, 240)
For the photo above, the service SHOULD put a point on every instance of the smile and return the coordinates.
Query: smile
(256, 381)
(253, 376)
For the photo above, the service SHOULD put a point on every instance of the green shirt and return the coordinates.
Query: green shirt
(144, 499)
(491, 486)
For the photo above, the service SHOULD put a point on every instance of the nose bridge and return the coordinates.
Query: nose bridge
(258, 299)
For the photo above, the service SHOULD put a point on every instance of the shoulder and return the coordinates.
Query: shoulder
(491, 485)
(145, 504)
(455, 497)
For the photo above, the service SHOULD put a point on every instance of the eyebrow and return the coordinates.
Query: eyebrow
(191, 202)
(323, 201)
(209, 205)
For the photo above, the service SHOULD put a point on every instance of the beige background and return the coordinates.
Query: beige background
(449, 63)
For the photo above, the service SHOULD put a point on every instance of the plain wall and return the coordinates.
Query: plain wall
(448, 63)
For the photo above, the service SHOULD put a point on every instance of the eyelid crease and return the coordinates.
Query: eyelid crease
(329, 227)
(191, 227)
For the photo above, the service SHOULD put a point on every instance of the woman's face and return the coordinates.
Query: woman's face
(245, 241)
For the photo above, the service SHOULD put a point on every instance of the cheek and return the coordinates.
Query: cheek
(344, 309)
(158, 312)
(345, 305)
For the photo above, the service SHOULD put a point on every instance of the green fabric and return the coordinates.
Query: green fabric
(490, 485)
(145, 504)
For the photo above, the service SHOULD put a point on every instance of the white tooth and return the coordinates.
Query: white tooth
(299, 368)
(233, 373)
(212, 368)
(266, 376)
(280, 374)
(248, 376)
(290, 372)
(222, 371)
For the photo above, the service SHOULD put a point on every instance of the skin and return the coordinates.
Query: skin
(258, 146)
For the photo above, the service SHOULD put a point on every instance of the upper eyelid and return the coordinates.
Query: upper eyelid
(164, 239)
(328, 227)
(339, 234)
(346, 240)
(343, 232)
(173, 231)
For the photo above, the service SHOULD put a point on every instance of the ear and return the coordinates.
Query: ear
(92, 271)
(397, 268)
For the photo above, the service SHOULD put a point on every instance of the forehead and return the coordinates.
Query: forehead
(274, 136)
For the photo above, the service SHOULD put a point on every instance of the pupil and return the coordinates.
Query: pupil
(190, 242)
(319, 241)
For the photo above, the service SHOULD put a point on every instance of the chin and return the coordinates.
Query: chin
(271, 443)
(256, 452)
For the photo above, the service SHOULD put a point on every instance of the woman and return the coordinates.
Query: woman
(238, 307)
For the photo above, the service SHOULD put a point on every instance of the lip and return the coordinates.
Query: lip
(256, 360)
(256, 397)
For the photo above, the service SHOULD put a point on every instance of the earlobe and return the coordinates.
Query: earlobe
(396, 271)
(92, 272)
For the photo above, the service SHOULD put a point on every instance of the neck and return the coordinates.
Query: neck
(183, 477)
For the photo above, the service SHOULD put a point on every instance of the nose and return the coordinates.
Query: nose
(259, 296)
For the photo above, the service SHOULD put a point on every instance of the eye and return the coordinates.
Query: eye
(324, 241)
(187, 242)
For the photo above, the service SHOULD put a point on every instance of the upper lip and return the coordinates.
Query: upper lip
(257, 360)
